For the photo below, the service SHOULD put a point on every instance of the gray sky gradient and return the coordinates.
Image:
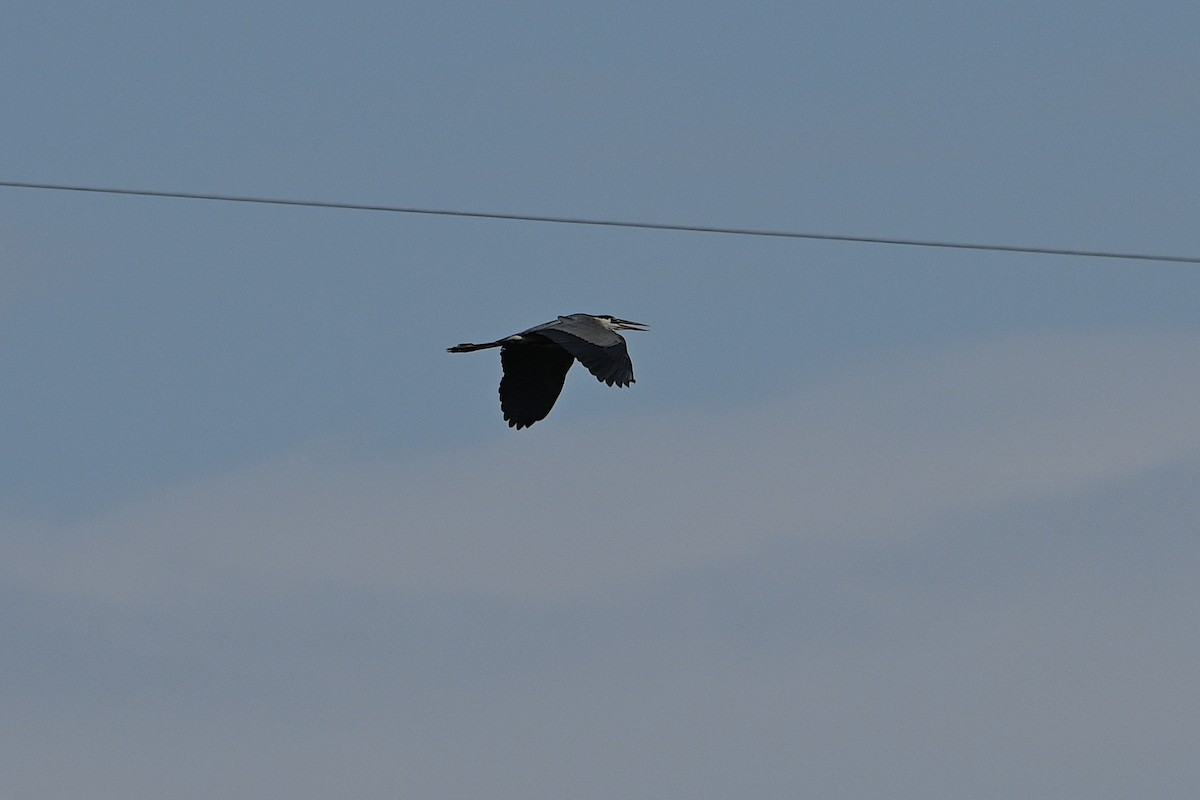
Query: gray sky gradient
(873, 523)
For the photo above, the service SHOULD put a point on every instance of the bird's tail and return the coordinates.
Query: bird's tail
(468, 347)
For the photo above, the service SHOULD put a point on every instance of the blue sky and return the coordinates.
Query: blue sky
(874, 521)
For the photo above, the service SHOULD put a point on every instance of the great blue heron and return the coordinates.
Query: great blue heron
(536, 361)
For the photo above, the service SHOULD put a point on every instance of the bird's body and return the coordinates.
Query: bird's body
(536, 361)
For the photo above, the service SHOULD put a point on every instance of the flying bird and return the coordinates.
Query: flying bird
(536, 361)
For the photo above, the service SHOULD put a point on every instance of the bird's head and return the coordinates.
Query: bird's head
(618, 324)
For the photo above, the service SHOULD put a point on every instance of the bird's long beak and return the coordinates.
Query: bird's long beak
(625, 324)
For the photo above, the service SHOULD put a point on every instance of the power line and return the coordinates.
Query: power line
(657, 226)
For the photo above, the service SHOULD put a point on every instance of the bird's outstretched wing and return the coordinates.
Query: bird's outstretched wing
(608, 362)
(533, 379)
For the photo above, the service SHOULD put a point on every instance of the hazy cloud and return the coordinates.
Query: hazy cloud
(560, 513)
